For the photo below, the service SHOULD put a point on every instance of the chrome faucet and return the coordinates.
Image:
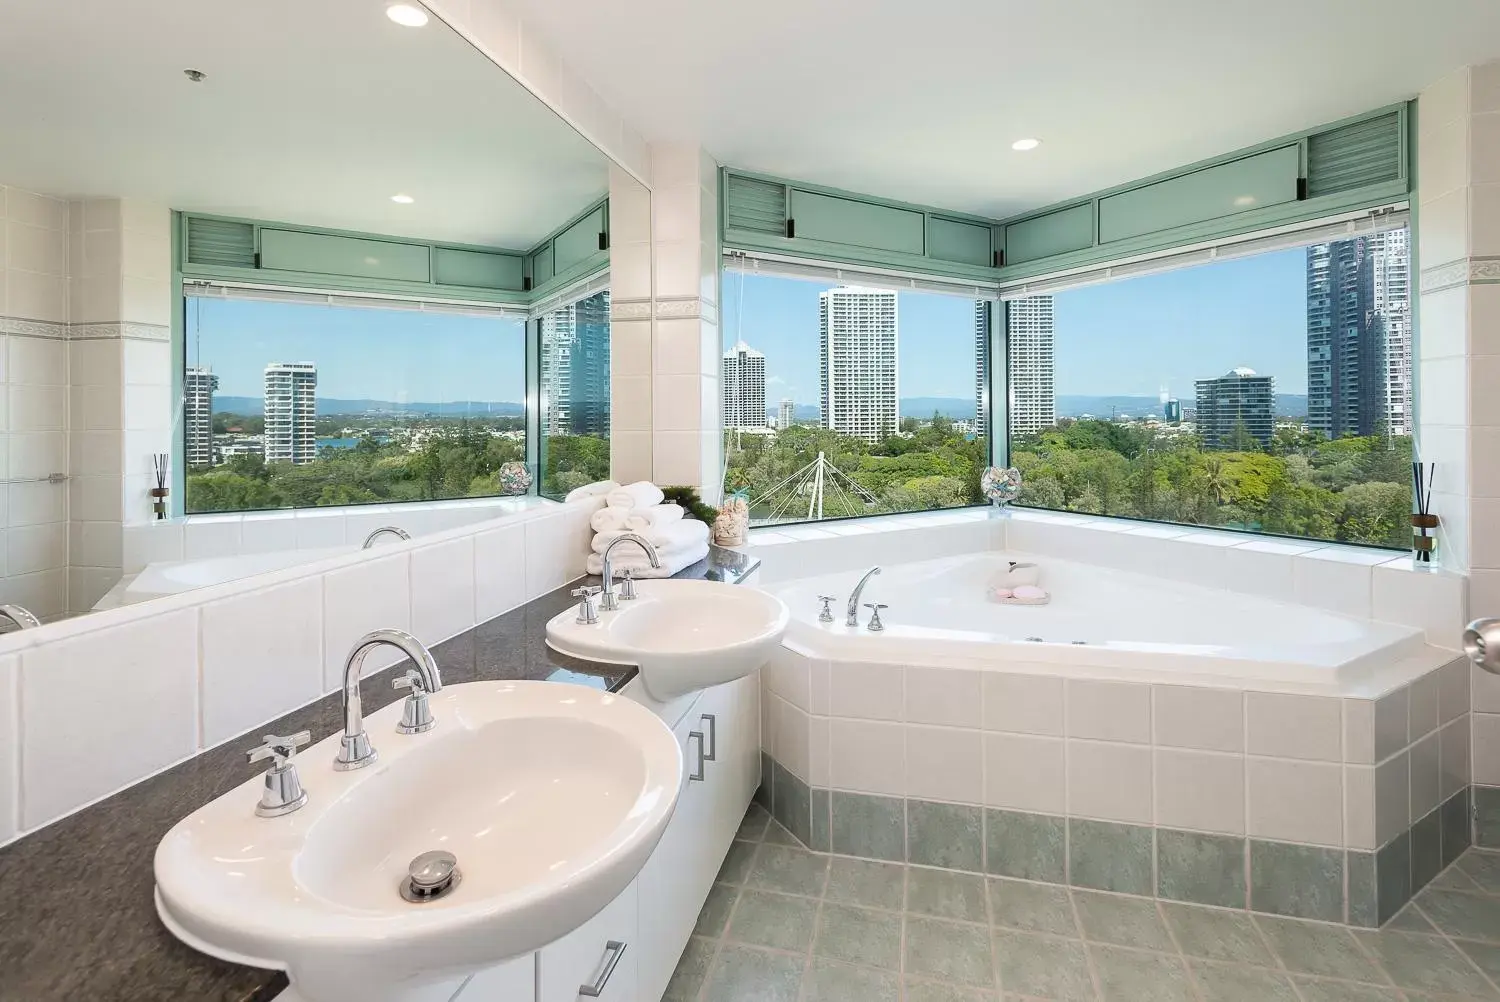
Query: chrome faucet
(355, 751)
(608, 602)
(394, 530)
(852, 618)
(23, 618)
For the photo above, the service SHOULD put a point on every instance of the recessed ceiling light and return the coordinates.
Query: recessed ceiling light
(402, 199)
(407, 15)
(196, 76)
(1025, 144)
(1244, 201)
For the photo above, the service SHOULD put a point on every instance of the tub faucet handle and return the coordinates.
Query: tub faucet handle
(875, 625)
(826, 616)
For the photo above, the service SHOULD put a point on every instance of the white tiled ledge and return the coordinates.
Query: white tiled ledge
(160, 681)
(1352, 580)
(201, 537)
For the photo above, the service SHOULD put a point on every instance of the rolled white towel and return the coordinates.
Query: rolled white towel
(656, 517)
(672, 536)
(641, 494)
(671, 563)
(609, 519)
(590, 490)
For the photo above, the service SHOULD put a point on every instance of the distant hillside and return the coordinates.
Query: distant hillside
(958, 408)
(1071, 405)
(328, 406)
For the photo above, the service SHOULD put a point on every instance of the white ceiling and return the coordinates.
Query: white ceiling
(921, 101)
(313, 113)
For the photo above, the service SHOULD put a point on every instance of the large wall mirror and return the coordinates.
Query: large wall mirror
(276, 275)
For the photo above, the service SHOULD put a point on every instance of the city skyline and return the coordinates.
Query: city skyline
(1166, 314)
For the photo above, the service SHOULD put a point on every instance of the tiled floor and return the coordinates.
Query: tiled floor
(787, 925)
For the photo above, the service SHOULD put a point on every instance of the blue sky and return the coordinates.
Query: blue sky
(395, 355)
(1121, 338)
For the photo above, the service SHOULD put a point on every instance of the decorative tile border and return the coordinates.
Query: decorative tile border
(33, 328)
(629, 309)
(1363, 889)
(1464, 271)
(111, 332)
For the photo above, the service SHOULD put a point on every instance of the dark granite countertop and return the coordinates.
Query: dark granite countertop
(77, 914)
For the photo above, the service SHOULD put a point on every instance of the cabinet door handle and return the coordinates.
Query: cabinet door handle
(697, 775)
(713, 738)
(614, 950)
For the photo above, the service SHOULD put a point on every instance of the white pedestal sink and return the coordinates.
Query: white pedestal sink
(684, 635)
(550, 796)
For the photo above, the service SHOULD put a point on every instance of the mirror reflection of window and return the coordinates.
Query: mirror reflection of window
(574, 393)
(298, 404)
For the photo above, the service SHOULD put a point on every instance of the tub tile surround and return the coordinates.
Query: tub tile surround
(1311, 806)
(157, 683)
(201, 537)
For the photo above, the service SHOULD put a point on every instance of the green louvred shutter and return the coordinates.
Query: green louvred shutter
(220, 242)
(1354, 156)
(755, 206)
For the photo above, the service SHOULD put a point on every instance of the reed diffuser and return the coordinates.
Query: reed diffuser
(1423, 520)
(159, 461)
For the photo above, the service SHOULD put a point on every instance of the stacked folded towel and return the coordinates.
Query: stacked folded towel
(638, 508)
(596, 489)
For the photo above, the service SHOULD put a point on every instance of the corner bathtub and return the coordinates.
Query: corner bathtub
(939, 615)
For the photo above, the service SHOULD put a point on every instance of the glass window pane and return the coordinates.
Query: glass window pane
(295, 405)
(842, 401)
(575, 395)
(1270, 394)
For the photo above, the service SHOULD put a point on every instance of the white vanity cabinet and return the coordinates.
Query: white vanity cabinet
(719, 735)
(597, 957)
(677, 878)
(512, 981)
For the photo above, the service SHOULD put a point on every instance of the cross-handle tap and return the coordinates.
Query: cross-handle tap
(852, 616)
(826, 616)
(355, 751)
(875, 625)
(588, 612)
(283, 791)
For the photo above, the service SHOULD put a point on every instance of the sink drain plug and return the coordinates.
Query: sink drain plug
(430, 876)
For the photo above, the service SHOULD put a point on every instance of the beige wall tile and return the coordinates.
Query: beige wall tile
(1203, 791)
(1027, 704)
(1294, 726)
(1295, 801)
(1199, 717)
(1109, 711)
(1025, 773)
(1110, 781)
